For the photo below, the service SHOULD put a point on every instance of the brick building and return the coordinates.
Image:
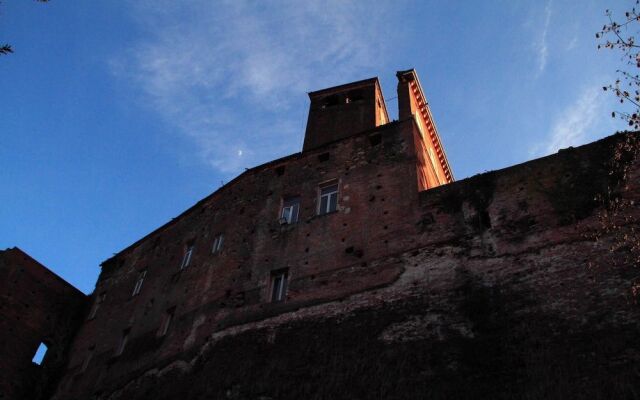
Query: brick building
(37, 308)
(358, 268)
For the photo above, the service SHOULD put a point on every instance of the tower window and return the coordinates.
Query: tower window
(186, 260)
(354, 96)
(418, 119)
(324, 157)
(328, 198)
(279, 285)
(217, 243)
(290, 210)
(331, 101)
(432, 158)
(138, 286)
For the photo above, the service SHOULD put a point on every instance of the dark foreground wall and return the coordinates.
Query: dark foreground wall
(36, 306)
(519, 286)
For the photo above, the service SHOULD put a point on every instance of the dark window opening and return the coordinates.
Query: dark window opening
(323, 157)
(354, 96)
(88, 358)
(279, 285)
(280, 170)
(41, 352)
(331, 101)
(375, 139)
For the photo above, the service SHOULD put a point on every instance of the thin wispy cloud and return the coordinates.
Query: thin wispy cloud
(231, 76)
(576, 124)
(542, 47)
(572, 43)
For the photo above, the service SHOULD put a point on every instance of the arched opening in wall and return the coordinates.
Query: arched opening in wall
(330, 101)
(354, 96)
(40, 354)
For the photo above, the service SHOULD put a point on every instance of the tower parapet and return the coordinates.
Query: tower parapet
(342, 111)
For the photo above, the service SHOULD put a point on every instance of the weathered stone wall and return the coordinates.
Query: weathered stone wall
(490, 287)
(35, 306)
(327, 256)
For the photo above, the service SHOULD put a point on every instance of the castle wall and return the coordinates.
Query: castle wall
(490, 287)
(35, 306)
(327, 256)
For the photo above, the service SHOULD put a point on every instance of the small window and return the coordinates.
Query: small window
(123, 342)
(375, 139)
(331, 101)
(328, 199)
(139, 282)
(354, 96)
(96, 305)
(290, 210)
(324, 157)
(418, 119)
(279, 285)
(432, 158)
(217, 243)
(186, 260)
(166, 321)
(41, 352)
(88, 358)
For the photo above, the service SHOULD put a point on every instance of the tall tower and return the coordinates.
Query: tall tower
(341, 111)
(432, 164)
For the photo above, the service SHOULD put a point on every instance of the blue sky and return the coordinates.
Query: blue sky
(117, 116)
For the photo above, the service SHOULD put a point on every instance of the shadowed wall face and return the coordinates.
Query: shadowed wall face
(36, 307)
(493, 289)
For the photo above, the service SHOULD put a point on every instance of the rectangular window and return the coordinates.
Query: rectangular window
(290, 210)
(38, 357)
(328, 198)
(186, 260)
(88, 358)
(138, 286)
(96, 305)
(432, 158)
(217, 243)
(279, 285)
(419, 123)
(166, 321)
(123, 341)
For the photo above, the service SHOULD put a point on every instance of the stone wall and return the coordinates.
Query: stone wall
(490, 287)
(36, 306)
(327, 256)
